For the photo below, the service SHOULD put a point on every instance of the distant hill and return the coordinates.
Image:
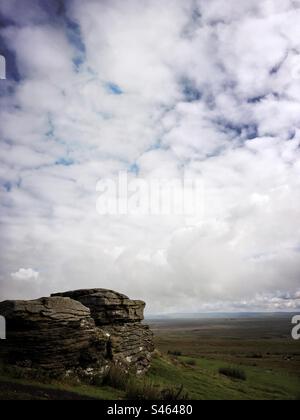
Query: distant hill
(220, 315)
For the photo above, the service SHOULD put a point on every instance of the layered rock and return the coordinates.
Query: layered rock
(54, 334)
(131, 346)
(108, 307)
(130, 343)
(84, 332)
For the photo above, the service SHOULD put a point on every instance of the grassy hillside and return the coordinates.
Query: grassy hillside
(200, 378)
(202, 359)
(262, 342)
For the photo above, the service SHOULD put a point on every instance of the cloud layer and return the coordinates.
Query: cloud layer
(157, 88)
(25, 274)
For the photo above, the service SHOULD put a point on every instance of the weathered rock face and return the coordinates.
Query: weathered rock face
(108, 307)
(130, 343)
(84, 332)
(49, 333)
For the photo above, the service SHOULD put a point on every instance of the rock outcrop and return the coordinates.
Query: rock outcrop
(108, 307)
(48, 333)
(82, 332)
(130, 343)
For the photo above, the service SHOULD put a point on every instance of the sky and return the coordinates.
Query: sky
(159, 89)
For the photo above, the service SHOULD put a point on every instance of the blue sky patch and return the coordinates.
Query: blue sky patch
(7, 186)
(256, 99)
(190, 91)
(50, 132)
(73, 32)
(65, 162)
(114, 89)
(245, 131)
(134, 169)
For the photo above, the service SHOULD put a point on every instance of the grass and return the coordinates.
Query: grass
(143, 388)
(233, 373)
(191, 362)
(212, 361)
(174, 353)
(134, 389)
(260, 342)
(204, 382)
(117, 378)
(35, 389)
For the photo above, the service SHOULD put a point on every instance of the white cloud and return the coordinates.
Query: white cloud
(208, 87)
(25, 274)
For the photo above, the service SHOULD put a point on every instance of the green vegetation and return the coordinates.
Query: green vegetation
(143, 388)
(134, 389)
(233, 373)
(191, 362)
(174, 353)
(25, 389)
(171, 379)
(204, 382)
(230, 360)
(256, 342)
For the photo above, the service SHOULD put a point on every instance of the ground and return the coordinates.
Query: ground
(190, 354)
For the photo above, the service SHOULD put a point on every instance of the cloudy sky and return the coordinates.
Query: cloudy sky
(210, 88)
